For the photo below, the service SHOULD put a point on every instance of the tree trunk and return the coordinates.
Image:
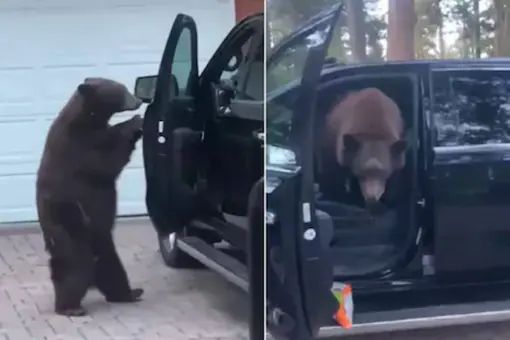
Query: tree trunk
(502, 36)
(357, 31)
(465, 41)
(440, 32)
(476, 29)
(401, 22)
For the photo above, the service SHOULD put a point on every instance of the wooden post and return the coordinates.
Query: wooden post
(246, 7)
(401, 22)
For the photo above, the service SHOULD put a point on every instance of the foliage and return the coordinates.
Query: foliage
(443, 28)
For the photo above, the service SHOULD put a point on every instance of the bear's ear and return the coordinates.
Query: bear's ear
(86, 89)
(399, 147)
(351, 144)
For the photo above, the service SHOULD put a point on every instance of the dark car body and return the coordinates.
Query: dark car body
(203, 152)
(449, 262)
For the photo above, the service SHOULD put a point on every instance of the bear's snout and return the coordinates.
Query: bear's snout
(131, 102)
(372, 188)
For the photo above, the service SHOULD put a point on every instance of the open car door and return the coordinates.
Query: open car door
(171, 108)
(300, 274)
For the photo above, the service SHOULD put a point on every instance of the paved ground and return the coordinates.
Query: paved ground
(177, 305)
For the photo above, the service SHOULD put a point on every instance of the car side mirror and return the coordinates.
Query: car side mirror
(145, 88)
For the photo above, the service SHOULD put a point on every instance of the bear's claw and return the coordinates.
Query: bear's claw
(135, 296)
(80, 311)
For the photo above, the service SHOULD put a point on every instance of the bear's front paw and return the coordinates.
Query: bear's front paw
(137, 123)
(134, 296)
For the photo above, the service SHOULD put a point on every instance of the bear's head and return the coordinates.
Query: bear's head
(104, 97)
(372, 160)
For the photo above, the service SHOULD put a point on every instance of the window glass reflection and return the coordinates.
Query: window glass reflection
(472, 107)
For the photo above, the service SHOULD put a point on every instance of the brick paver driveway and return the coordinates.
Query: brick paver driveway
(177, 305)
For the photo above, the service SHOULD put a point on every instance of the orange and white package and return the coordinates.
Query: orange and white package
(344, 313)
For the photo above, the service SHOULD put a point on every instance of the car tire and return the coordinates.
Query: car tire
(174, 257)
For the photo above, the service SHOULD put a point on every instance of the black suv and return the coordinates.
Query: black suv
(203, 150)
(439, 254)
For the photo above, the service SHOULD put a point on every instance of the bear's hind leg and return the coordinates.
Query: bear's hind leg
(110, 276)
(70, 289)
(71, 258)
(71, 276)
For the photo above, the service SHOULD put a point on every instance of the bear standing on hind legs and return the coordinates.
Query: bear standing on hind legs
(76, 193)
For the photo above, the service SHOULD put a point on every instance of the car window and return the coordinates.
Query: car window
(288, 66)
(471, 107)
(278, 129)
(236, 59)
(248, 78)
(283, 70)
(182, 60)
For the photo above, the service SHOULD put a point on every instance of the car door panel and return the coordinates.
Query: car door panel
(172, 108)
(236, 161)
(232, 135)
(308, 275)
(471, 171)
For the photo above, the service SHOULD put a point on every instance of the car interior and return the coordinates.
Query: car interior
(234, 136)
(364, 242)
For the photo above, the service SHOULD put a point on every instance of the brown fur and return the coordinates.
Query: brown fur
(365, 131)
(76, 194)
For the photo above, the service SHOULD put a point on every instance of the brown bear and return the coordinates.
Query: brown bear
(365, 131)
(76, 193)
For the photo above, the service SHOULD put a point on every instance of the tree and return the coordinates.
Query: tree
(357, 32)
(428, 30)
(401, 22)
(475, 23)
(502, 26)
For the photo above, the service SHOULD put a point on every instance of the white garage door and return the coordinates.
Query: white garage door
(48, 47)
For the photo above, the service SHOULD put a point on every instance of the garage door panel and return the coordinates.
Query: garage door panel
(48, 47)
(22, 137)
(41, 5)
(13, 165)
(57, 84)
(15, 111)
(131, 188)
(14, 190)
(127, 73)
(17, 85)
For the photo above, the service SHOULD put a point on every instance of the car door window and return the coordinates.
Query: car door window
(289, 65)
(236, 59)
(247, 77)
(471, 107)
(182, 63)
(286, 70)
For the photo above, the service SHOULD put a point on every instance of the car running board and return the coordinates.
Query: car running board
(231, 269)
(422, 318)
(235, 234)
